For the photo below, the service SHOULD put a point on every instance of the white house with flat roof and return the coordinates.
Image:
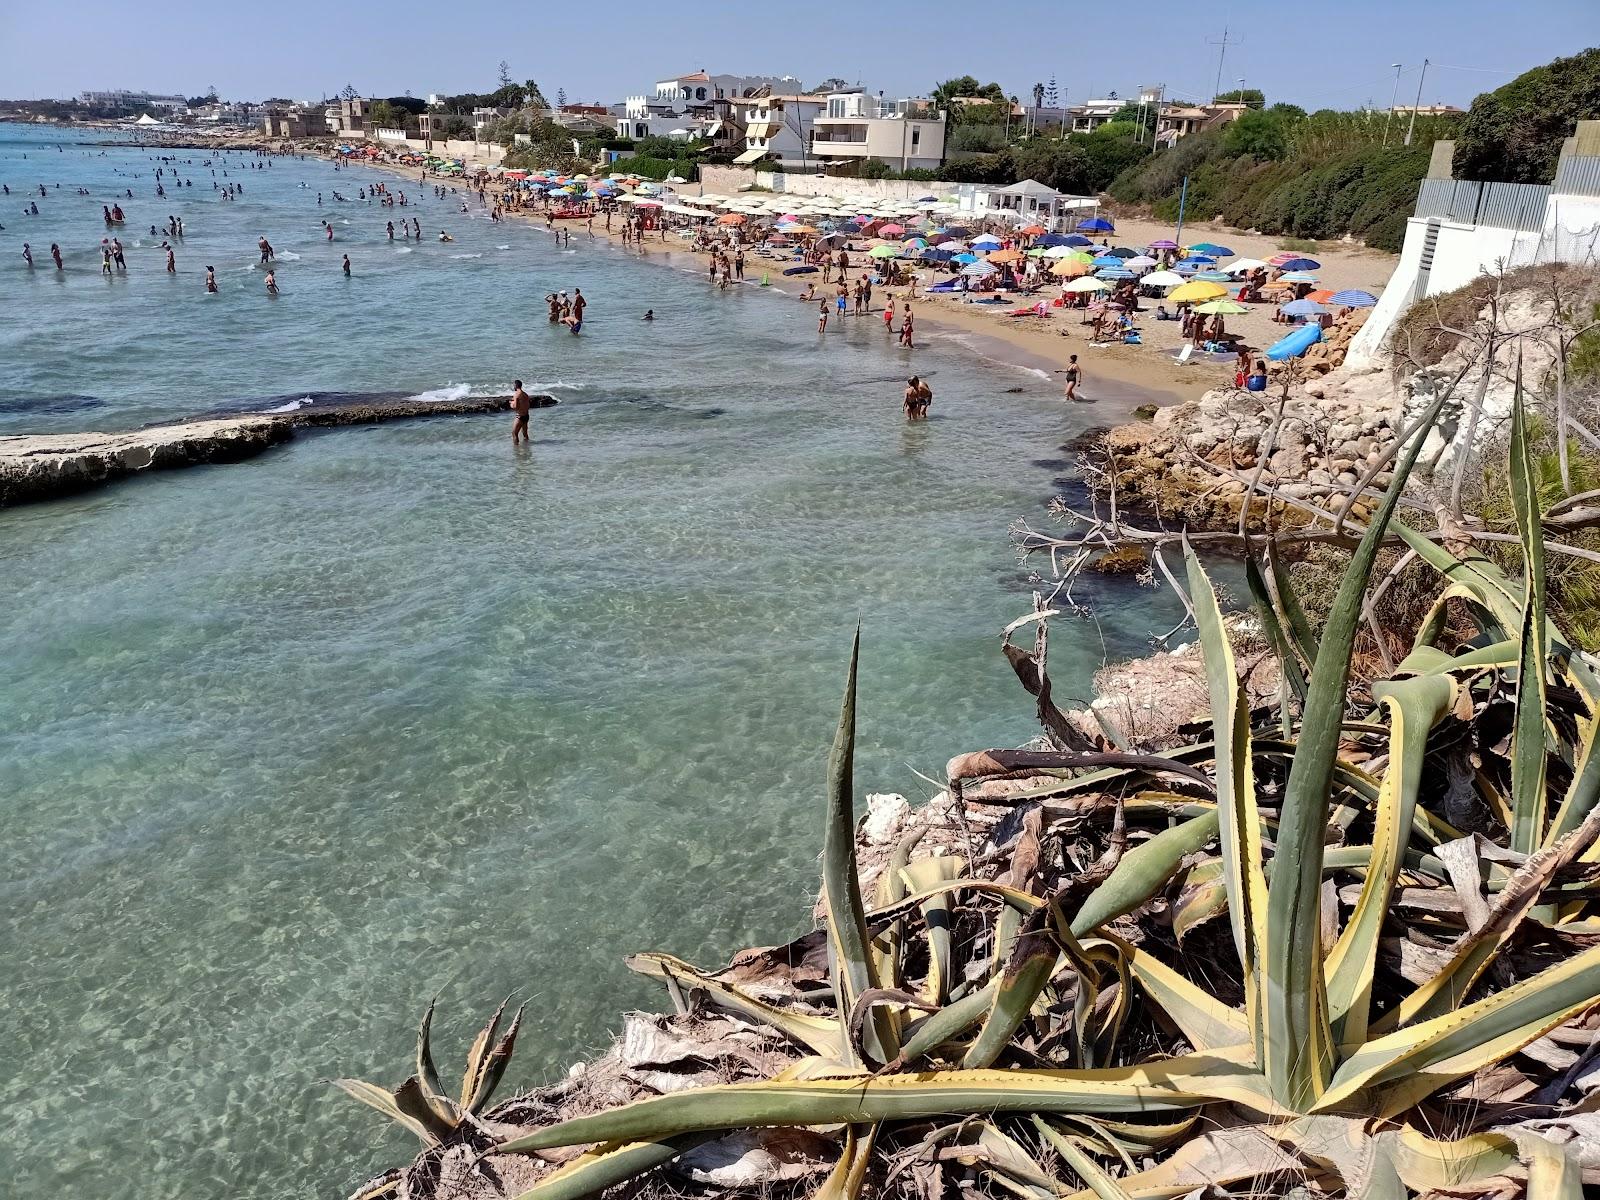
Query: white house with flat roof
(781, 126)
(857, 126)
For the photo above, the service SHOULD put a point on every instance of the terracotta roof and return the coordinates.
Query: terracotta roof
(697, 77)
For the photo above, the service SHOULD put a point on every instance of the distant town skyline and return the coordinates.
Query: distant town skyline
(596, 53)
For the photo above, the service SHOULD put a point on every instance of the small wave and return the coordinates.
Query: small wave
(502, 247)
(403, 249)
(290, 255)
(466, 256)
(456, 391)
(292, 406)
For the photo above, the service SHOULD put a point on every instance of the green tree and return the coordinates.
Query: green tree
(1064, 165)
(532, 96)
(1514, 133)
(1136, 117)
(1251, 97)
(945, 95)
(1257, 135)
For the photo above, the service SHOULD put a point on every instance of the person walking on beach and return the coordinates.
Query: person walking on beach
(521, 404)
(1074, 375)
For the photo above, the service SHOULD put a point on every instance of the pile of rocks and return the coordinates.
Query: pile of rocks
(1330, 351)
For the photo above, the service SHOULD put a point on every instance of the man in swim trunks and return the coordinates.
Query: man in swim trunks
(521, 404)
(266, 249)
(578, 305)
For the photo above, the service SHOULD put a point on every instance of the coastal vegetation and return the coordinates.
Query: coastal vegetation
(1335, 937)
(1515, 132)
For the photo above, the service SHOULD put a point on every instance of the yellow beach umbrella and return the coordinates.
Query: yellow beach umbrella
(1195, 291)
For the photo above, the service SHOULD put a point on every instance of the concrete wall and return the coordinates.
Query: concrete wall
(730, 179)
(469, 151)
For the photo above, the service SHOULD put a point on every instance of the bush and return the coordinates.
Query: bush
(1514, 133)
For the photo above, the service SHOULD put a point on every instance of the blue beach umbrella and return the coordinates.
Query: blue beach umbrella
(1299, 264)
(1096, 225)
(1201, 260)
(1054, 239)
(1075, 239)
(967, 258)
(1214, 277)
(1114, 273)
(937, 255)
(987, 240)
(1353, 298)
(1108, 260)
(1303, 308)
(1213, 249)
(1297, 277)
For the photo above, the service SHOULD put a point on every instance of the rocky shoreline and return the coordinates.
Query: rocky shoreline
(35, 468)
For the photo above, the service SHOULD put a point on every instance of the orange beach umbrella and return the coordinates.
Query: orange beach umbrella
(731, 219)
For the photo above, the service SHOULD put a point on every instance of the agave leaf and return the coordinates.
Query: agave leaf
(1472, 576)
(1584, 790)
(1217, 1159)
(1414, 1062)
(404, 1105)
(845, 1180)
(950, 1022)
(1131, 1137)
(1288, 659)
(1188, 1081)
(1205, 1021)
(889, 890)
(1239, 822)
(919, 877)
(1027, 971)
(1298, 1050)
(478, 1057)
(606, 1166)
(1013, 1166)
(1427, 1163)
(848, 942)
(1528, 763)
(1295, 622)
(820, 1034)
(1414, 705)
(1143, 871)
(1552, 1173)
(428, 1073)
(1474, 951)
(1093, 1175)
(494, 1065)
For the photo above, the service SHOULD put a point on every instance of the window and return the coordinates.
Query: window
(916, 136)
(699, 93)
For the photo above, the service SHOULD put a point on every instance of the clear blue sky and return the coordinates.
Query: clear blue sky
(1317, 55)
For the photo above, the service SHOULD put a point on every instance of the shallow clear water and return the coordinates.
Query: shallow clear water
(288, 746)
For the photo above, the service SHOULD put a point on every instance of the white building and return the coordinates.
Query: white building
(1027, 203)
(124, 99)
(1466, 228)
(699, 89)
(1091, 114)
(783, 127)
(857, 126)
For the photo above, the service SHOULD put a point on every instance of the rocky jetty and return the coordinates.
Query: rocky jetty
(47, 466)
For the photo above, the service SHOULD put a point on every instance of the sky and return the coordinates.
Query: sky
(1318, 56)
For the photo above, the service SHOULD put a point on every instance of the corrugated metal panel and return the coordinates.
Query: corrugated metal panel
(1578, 175)
(1514, 205)
(1507, 205)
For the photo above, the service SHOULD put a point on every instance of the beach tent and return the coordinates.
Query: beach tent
(1296, 344)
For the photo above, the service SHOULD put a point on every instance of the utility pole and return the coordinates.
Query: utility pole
(1412, 124)
(1222, 53)
(1393, 99)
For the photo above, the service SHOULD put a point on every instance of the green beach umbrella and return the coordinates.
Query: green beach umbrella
(883, 252)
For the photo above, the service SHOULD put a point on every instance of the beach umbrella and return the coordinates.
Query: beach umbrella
(803, 229)
(1164, 244)
(1353, 298)
(966, 257)
(1055, 239)
(985, 240)
(731, 219)
(1213, 276)
(892, 230)
(1297, 264)
(1297, 277)
(1226, 307)
(1038, 252)
(1107, 260)
(1087, 284)
(1069, 268)
(1096, 225)
(1303, 308)
(1196, 292)
(1123, 252)
(1163, 279)
(1114, 273)
(1005, 256)
(1060, 252)
(954, 244)
(1321, 296)
(1138, 262)
(927, 199)
(1200, 260)
(1076, 239)
(1032, 230)
(979, 268)
(884, 252)
(958, 231)
(937, 255)
(915, 243)
(1244, 265)
(1212, 249)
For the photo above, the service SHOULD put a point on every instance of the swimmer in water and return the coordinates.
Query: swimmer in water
(649, 314)
(445, 237)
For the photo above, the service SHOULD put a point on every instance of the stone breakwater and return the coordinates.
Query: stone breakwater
(47, 466)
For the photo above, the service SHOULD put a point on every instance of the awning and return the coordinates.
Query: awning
(714, 128)
(758, 129)
(749, 156)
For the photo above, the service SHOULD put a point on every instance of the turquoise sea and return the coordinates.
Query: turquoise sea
(287, 747)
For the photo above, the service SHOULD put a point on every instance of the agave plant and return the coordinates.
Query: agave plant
(1012, 1044)
(421, 1103)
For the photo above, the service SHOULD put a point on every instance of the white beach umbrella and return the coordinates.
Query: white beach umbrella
(1138, 262)
(1060, 252)
(1244, 265)
(1163, 279)
(1086, 283)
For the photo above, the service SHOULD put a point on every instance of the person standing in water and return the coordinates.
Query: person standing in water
(272, 283)
(27, 255)
(905, 326)
(172, 263)
(521, 404)
(578, 305)
(347, 266)
(211, 279)
(55, 253)
(1074, 375)
(265, 248)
